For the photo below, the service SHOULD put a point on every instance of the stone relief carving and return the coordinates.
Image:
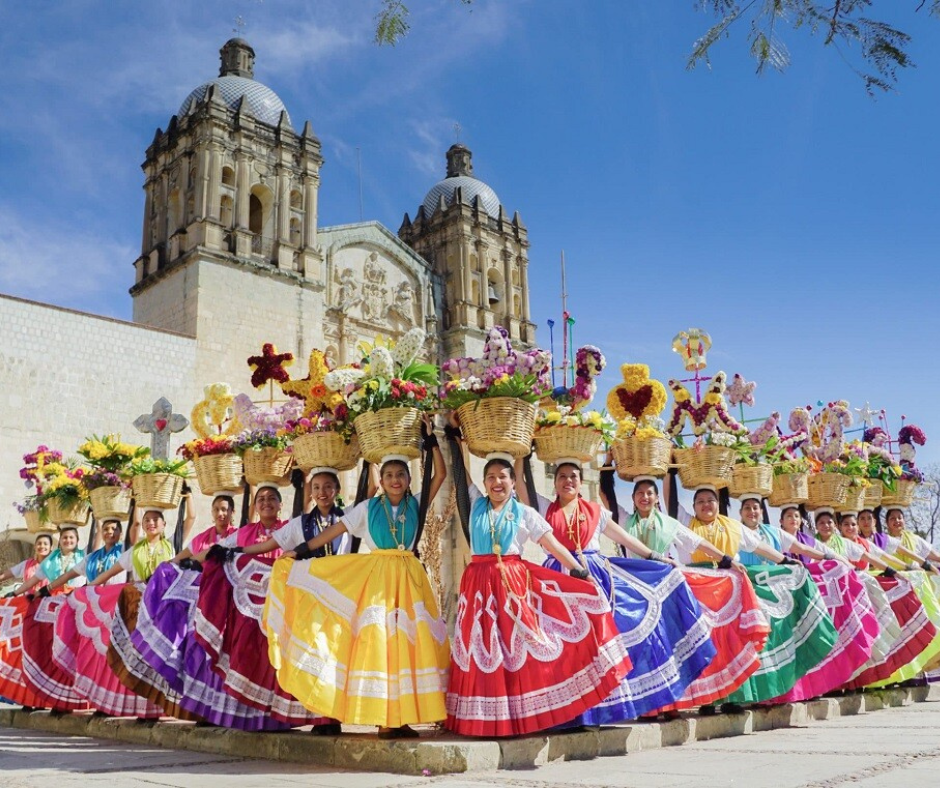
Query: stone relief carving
(404, 305)
(374, 293)
(347, 294)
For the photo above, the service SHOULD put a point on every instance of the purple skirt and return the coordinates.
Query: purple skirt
(165, 641)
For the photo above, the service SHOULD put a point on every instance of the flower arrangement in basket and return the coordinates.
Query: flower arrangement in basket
(711, 458)
(832, 470)
(790, 485)
(158, 484)
(753, 471)
(34, 474)
(563, 429)
(640, 446)
(64, 493)
(108, 488)
(883, 471)
(909, 437)
(215, 421)
(385, 396)
(495, 395)
(321, 434)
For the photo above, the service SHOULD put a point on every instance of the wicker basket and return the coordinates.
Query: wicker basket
(326, 449)
(854, 499)
(389, 431)
(157, 490)
(72, 515)
(35, 524)
(218, 473)
(505, 424)
(789, 489)
(110, 503)
(558, 442)
(757, 479)
(268, 465)
(873, 494)
(826, 489)
(902, 496)
(634, 457)
(707, 465)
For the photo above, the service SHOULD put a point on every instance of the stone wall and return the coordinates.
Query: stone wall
(65, 375)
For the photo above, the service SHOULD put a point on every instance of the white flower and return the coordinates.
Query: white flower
(338, 379)
(381, 363)
(408, 347)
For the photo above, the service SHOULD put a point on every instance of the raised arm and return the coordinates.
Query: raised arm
(634, 545)
(551, 545)
(190, 517)
(64, 579)
(105, 576)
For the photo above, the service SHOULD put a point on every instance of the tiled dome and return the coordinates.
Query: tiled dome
(262, 102)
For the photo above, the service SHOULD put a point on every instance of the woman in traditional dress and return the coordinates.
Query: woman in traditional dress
(801, 632)
(227, 625)
(869, 527)
(83, 627)
(358, 638)
(13, 681)
(738, 628)
(153, 629)
(667, 636)
(911, 546)
(57, 563)
(43, 674)
(517, 621)
(24, 570)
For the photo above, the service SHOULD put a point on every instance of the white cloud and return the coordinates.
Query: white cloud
(50, 262)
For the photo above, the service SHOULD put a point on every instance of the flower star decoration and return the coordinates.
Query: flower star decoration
(311, 389)
(741, 391)
(866, 415)
(269, 366)
(215, 414)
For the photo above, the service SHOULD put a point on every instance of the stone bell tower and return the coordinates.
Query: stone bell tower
(230, 181)
(481, 254)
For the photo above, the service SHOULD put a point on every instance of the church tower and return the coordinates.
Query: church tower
(481, 255)
(229, 181)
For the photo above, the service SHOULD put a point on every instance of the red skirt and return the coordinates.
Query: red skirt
(532, 648)
(917, 633)
(228, 626)
(84, 626)
(43, 675)
(739, 631)
(12, 682)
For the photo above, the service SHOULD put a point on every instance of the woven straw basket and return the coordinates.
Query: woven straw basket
(902, 496)
(789, 488)
(35, 525)
(559, 441)
(157, 490)
(218, 473)
(854, 498)
(325, 449)
(504, 424)
(708, 465)
(634, 457)
(757, 479)
(827, 489)
(873, 494)
(268, 465)
(110, 503)
(73, 515)
(389, 431)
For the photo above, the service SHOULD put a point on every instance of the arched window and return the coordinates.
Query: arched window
(255, 214)
(228, 176)
(295, 232)
(296, 200)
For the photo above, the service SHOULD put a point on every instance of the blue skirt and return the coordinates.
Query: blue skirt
(661, 625)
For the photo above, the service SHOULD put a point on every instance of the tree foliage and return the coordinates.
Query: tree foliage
(874, 49)
(925, 510)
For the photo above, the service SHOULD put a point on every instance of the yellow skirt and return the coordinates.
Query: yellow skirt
(359, 638)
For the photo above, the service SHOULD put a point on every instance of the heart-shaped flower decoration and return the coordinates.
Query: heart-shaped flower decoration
(638, 397)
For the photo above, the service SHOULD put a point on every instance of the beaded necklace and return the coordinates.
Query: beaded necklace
(394, 522)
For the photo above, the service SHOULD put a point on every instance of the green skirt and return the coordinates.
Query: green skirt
(801, 631)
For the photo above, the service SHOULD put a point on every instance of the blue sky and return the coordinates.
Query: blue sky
(792, 217)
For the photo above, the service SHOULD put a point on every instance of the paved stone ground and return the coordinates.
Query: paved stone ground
(893, 747)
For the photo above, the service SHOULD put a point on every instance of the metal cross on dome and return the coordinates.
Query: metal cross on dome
(160, 423)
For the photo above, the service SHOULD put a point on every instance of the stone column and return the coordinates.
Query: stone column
(215, 184)
(484, 278)
(464, 241)
(199, 188)
(524, 282)
(283, 207)
(508, 289)
(148, 208)
(310, 211)
(242, 194)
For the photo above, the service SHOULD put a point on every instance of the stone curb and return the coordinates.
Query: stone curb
(446, 754)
